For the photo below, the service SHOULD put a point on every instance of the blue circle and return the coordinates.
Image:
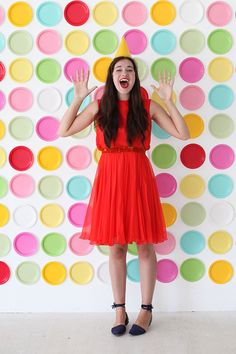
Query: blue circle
(220, 185)
(70, 97)
(2, 42)
(192, 242)
(221, 96)
(49, 13)
(158, 132)
(78, 187)
(133, 270)
(163, 42)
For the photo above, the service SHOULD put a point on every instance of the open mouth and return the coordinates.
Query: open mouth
(124, 83)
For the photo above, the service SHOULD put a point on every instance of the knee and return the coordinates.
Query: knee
(118, 251)
(146, 251)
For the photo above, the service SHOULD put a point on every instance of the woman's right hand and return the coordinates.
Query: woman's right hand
(80, 82)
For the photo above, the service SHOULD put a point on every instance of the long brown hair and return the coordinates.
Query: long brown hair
(108, 115)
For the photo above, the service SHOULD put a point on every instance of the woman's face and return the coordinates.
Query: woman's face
(123, 77)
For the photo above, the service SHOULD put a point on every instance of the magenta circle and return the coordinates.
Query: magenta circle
(167, 246)
(136, 41)
(47, 128)
(20, 99)
(222, 156)
(166, 184)
(80, 247)
(78, 157)
(2, 100)
(76, 214)
(219, 13)
(134, 13)
(191, 69)
(192, 97)
(167, 270)
(26, 244)
(73, 65)
(49, 41)
(22, 185)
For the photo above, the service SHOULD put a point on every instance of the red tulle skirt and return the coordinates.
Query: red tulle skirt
(124, 205)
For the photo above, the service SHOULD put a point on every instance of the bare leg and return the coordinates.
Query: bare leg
(117, 268)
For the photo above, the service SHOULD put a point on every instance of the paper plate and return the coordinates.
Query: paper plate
(21, 70)
(77, 42)
(28, 273)
(221, 126)
(54, 244)
(192, 41)
(192, 242)
(54, 273)
(195, 124)
(2, 42)
(25, 216)
(163, 12)
(81, 273)
(159, 65)
(76, 214)
(193, 213)
(192, 156)
(3, 187)
(170, 213)
(167, 270)
(52, 215)
(219, 13)
(2, 71)
(222, 156)
(49, 158)
(22, 185)
(191, 69)
(5, 245)
(48, 70)
(73, 65)
(20, 42)
(164, 156)
(191, 11)
(100, 68)
(222, 213)
(220, 69)
(220, 185)
(5, 272)
(2, 157)
(80, 247)
(221, 271)
(192, 186)
(220, 41)
(167, 246)
(26, 244)
(136, 41)
(142, 68)
(50, 187)
(103, 273)
(221, 97)
(49, 99)
(167, 184)
(105, 13)
(47, 128)
(21, 128)
(21, 158)
(192, 97)
(163, 42)
(134, 13)
(192, 269)
(78, 187)
(105, 41)
(49, 41)
(220, 242)
(20, 14)
(2, 129)
(78, 157)
(76, 13)
(2, 15)
(49, 13)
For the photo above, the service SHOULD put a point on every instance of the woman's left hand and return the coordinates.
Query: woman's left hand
(165, 88)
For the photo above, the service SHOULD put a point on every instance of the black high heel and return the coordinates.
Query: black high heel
(136, 330)
(119, 329)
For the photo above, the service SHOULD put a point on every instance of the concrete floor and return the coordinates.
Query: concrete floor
(169, 333)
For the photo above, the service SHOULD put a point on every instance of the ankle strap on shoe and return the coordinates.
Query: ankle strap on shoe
(114, 305)
(147, 307)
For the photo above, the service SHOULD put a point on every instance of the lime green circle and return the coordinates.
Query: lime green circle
(220, 41)
(50, 187)
(54, 244)
(161, 65)
(192, 269)
(192, 41)
(132, 248)
(3, 187)
(142, 68)
(105, 41)
(20, 42)
(28, 272)
(48, 70)
(103, 249)
(221, 126)
(5, 245)
(193, 213)
(21, 128)
(164, 156)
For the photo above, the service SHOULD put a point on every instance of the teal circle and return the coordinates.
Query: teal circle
(49, 13)
(221, 126)
(158, 132)
(161, 65)
(192, 242)
(133, 270)
(2, 42)
(54, 244)
(220, 185)
(132, 248)
(3, 187)
(28, 272)
(105, 41)
(48, 70)
(5, 245)
(221, 96)
(192, 269)
(164, 156)
(20, 42)
(50, 187)
(193, 213)
(78, 187)
(70, 96)
(163, 42)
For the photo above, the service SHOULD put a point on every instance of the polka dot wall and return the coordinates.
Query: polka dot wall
(45, 180)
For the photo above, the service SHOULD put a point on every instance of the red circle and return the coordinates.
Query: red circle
(192, 156)
(21, 158)
(76, 13)
(4, 272)
(2, 71)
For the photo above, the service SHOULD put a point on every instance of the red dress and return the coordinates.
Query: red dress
(124, 205)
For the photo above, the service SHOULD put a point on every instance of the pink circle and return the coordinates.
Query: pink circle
(166, 184)
(77, 213)
(21, 99)
(49, 41)
(80, 247)
(191, 69)
(75, 64)
(222, 156)
(26, 244)
(219, 13)
(99, 93)
(167, 270)
(78, 157)
(2, 15)
(134, 13)
(47, 127)
(192, 97)
(22, 185)
(167, 246)
(2, 100)
(136, 41)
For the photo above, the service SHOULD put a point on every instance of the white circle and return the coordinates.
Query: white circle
(222, 213)
(103, 273)
(192, 11)
(25, 216)
(49, 99)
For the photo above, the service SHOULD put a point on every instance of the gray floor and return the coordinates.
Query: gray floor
(170, 333)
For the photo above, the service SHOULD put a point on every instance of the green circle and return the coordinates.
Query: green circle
(220, 41)
(21, 128)
(193, 213)
(54, 244)
(48, 70)
(105, 41)
(142, 68)
(103, 249)
(50, 187)
(159, 65)
(164, 156)
(5, 245)
(132, 248)
(192, 269)
(133, 270)
(192, 41)
(221, 126)
(3, 187)
(20, 42)
(28, 272)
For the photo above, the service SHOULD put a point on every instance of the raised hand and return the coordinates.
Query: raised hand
(80, 82)
(165, 88)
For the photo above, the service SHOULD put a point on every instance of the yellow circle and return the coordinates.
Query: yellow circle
(170, 213)
(2, 129)
(4, 215)
(49, 158)
(97, 154)
(21, 70)
(105, 13)
(100, 68)
(220, 242)
(81, 273)
(54, 273)
(77, 42)
(221, 271)
(220, 69)
(192, 186)
(163, 12)
(20, 13)
(195, 124)
(52, 215)
(2, 157)
(158, 100)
